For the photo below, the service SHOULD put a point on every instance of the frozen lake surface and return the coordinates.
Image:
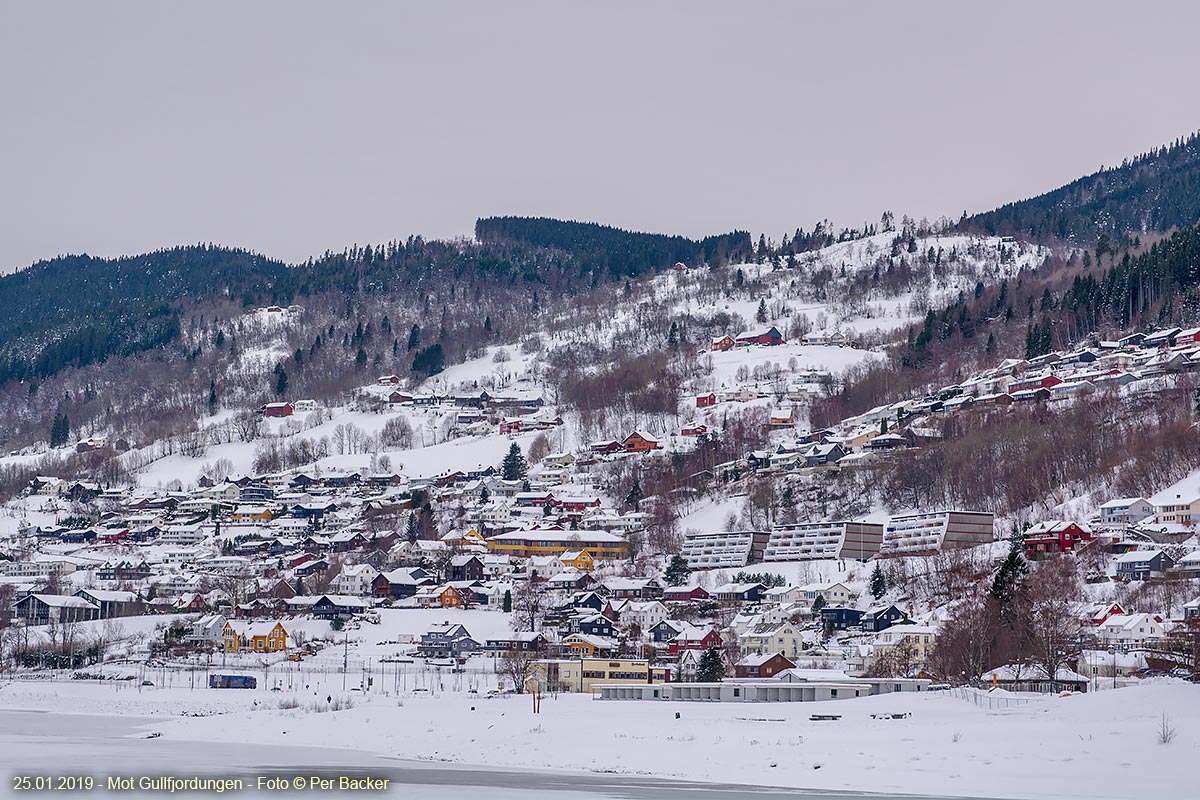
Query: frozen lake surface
(36, 743)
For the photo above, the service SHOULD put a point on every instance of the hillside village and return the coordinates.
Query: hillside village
(538, 573)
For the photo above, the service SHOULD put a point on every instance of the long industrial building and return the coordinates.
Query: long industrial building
(807, 541)
(934, 531)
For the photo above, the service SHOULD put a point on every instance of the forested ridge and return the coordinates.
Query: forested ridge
(77, 310)
(618, 252)
(1157, 191)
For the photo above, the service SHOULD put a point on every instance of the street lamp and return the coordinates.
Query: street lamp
(1113, 651)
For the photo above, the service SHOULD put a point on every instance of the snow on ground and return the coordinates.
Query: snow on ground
(1100, 745)
(834, 360)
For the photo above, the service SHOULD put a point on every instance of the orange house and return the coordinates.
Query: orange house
(580, 645)
(578, 559)
(723, 343)
(638, 442)
(441, 597)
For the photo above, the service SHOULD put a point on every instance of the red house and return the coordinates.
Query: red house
(1189, 337)
(694, 639)
(695, 430)
(1047, 381)
(277, 410)
(389, 380)
(1099, 613)
(762, 665)
(703, 400)
(767, 336)
(612, 446)
(114, 536)
(1055, 536)
(638, 442)
(685, 594)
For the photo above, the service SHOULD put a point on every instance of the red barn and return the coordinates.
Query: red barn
(277, 410)
(695, 430)
(703, 400)
(1055, 536)
(612, 446)
(767, 336)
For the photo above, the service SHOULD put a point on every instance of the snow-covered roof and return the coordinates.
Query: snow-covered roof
(1183, 492)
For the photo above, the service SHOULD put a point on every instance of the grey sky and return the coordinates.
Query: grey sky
(294, 127)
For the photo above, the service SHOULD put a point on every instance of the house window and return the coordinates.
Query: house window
(737, 692)
(833, 692)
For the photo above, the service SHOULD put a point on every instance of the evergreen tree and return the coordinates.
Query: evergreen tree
(711, 668)
(299, 585)
(410, 530)
(677, 571)
(878, 583)
(414, 337)
(818, 604)
(513, 467)
(429, 360)
(360, 358)
(212, 397)
(281, 380)
(1011, 577)
(507, 606)
(673, 334)
(883, 428)
(761, 314)
(484, 495)
(635, 494)
(58, 433)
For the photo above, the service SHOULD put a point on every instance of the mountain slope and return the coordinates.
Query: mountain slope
(612, 250)
(78, 310)
(1154, 192)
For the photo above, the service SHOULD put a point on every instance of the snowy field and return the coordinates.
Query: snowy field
(1102, 745)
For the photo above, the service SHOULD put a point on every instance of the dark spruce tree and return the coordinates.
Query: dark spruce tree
(513, 467)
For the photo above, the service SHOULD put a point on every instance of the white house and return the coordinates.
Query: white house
(354, 580)
(1179, 502)
(1130, 629)
(1125, 511)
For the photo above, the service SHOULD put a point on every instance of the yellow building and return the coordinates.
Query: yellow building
(578, 559)
(465, 538)
(600, 545)
(252, 514)
(907, 646)
(582, 674)
(257, 637)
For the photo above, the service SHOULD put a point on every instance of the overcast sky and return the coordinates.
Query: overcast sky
(292, 128)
